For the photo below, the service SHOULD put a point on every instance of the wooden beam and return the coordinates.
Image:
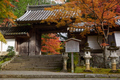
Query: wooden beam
(45, 26)
(54, 31)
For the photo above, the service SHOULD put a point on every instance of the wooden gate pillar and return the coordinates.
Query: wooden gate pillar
(68, 34)
(32, 42)
(38, 42)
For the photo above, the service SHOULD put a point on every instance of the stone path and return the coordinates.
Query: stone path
(60, 79)
(48, 74)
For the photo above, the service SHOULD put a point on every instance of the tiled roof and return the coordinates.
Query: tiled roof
(77, 29)
(35, 15)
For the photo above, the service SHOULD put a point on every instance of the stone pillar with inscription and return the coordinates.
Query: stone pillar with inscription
(65, 58)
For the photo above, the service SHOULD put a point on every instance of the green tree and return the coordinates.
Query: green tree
(21, 6)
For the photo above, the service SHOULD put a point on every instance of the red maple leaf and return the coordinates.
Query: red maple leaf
(104, 44)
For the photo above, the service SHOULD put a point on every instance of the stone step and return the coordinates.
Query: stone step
(37, 59)
(33, 69)
(27, 66)
(35, 62)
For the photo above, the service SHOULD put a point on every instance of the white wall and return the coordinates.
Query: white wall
(10, 42)
(117, 38)
(92, 40)
(58, 1)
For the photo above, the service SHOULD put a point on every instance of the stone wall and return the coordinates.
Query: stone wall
(97, 61)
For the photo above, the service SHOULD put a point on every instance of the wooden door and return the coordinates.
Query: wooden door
(24, 47)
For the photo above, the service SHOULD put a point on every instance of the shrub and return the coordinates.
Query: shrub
(10, 48)
(11, 51)
(11, 54)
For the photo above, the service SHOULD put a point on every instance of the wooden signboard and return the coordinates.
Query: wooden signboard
(72, 45)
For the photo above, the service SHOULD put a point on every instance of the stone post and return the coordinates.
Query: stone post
(65, 58)
(113, 63)
(113, 56)
(72, 62)
(87, 56)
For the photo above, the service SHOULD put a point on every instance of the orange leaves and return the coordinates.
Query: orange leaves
(78, 11)
(90, 20)
(61, 23)
(11, 15)
(78, 20)
(99, 28)
(7, 23)
(104, 44)
(51, 44)
(109, 15)
(12, 5)
(86, 31)
(110, 33)
(8, 3)
(118, 8)
(16, 0)
(5, 9)
(6, 14)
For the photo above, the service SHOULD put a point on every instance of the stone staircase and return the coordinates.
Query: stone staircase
(35, 63)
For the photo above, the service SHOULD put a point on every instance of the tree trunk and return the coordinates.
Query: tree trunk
(104, 52)
(104, 57)
(79, 60)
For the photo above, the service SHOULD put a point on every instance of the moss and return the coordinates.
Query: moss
(95, 70)
(4, 60)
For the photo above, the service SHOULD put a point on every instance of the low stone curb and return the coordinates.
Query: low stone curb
(114, 75)
(41, 76)
(62, 76)
(7, 62)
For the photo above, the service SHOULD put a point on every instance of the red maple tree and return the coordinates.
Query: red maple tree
(51, 44)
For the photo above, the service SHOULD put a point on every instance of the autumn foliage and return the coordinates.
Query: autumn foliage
(2, 39)
(51, 44)
(6, 13)
(5, 9)
(98, 16)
